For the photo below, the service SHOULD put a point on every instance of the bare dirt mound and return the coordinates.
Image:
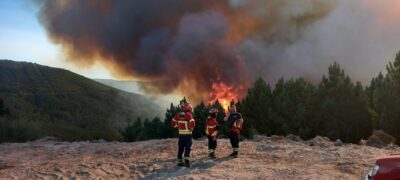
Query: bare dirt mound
(263, 158)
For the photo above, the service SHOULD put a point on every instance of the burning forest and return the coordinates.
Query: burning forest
(305, 87)
(190, 47)
(208, 50)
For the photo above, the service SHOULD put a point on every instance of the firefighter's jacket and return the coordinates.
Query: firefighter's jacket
(235, 122)
(184, 122)
(211, 127)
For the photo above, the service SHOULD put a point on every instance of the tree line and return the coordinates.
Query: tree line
(336, 107)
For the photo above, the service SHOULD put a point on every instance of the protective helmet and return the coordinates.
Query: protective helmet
(187, 107)
(213, 110)
(232, 108)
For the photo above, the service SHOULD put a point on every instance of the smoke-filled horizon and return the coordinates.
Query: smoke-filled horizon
(201, 48)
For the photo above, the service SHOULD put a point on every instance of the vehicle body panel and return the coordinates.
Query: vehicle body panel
(389, 168)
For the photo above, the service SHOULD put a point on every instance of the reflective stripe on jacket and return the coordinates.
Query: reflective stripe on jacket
(184, 122)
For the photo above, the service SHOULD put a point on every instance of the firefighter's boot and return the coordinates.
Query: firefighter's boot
(211, 155)
(180, 162)
(187, 162)
(234, 154)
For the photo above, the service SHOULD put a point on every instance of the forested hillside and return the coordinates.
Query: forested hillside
(38, 101)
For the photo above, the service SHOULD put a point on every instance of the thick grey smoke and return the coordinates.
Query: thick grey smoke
(190, 45)
(362, 36)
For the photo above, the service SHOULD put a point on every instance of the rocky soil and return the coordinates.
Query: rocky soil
(261, 158)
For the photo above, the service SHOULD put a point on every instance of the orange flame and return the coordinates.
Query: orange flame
(223, 93)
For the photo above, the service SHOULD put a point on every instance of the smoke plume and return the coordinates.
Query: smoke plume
(197, 47)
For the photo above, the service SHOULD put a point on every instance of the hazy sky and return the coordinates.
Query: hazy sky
(24, 39)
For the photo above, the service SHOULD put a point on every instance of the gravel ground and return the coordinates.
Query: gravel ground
(262, 158)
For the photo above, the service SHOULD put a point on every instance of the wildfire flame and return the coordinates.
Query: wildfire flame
(223, 93)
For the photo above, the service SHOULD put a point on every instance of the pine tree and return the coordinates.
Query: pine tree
(133, 132)
(394, 72)
(385, 94)
(169, 115)
(223, 130)
(376, 83)
(157, 128)
(343, 111)
(248, 128)
(147, 132)
(200, 114)
(292, 104)
(256, 108)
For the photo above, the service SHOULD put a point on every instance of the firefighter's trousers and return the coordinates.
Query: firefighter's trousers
(184, 147)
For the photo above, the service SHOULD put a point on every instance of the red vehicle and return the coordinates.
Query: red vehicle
(385, 168)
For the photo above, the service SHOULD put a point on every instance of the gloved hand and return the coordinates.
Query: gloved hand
(235, 130)
(214, 135)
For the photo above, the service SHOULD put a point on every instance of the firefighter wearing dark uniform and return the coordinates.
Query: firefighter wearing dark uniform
(184, 122)
(235, 123)
(212, 132)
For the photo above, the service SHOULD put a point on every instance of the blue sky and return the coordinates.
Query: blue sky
(22, 38)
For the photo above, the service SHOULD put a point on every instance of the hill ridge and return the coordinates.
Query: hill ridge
(55, 98)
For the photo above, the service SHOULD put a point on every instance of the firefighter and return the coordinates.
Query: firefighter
(212, 132)
(184, 122)
(235, 123)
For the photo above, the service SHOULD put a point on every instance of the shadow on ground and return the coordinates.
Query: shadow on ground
(176, 171)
